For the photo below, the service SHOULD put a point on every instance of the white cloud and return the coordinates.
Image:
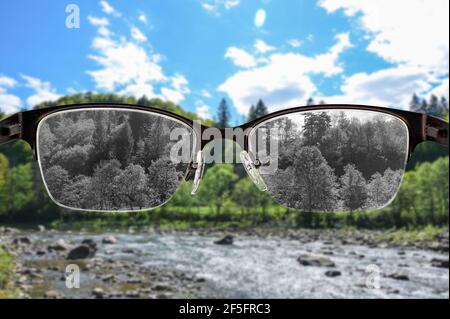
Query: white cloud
(414, 32)
(172, 95)
(128, 68)
(203, 110)
(262, 47)
(98, 22)
(9, 103)
(442, 89)
(206, 94)
(123, 63)
(178, 88)
(390, 87)
(6, 82)
(43, 91)
(101, 24)
(143, 18)
(180, 83)
(108, 9)
(295, 43)
(284, 81)
(138, 35)
(214, 6)
(240, 57)
(260, 18)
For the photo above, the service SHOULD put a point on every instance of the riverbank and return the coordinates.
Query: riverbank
(170, 263)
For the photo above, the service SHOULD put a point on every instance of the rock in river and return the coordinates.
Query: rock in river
(60, 245)
(317, 261)
(439, 263)
(109, 240)
(398, 276)
(81, 252)
(53, 294)
(98, 293)
(333, 273)
(227, 240)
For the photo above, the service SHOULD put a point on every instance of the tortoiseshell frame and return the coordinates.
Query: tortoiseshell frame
(421, 127)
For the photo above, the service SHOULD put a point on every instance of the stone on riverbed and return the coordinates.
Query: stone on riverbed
(317, 261)
(60, 245)
(90, 242)
(98, 293)
(53, 294)
(439, 263)
(81, 252)
(398, 276)
(109, 240)
(22, 240)
(333, 273)
(227, 240)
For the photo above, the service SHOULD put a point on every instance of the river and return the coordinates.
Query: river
(254, 267)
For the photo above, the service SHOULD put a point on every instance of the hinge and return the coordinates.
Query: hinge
(435, 132)
(10, 130)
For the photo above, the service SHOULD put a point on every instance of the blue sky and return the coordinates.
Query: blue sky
(194, 52)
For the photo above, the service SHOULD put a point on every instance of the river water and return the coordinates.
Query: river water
(268, 268)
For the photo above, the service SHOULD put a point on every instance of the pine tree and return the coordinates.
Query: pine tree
(144, 101)
(261, 109)
(310, 102)
(257, 111)
(223, 114)
(414, 105)
(433, 106)
(251, 113)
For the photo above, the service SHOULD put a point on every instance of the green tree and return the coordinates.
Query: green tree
(251, 113)
(217, 184)
(4, 167)
(257, 112)
(245, 194)
(20, 188)
(415, 104)
(223, 114)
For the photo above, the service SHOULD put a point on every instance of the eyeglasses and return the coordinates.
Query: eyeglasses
(117, 157)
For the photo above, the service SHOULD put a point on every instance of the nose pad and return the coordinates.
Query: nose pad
(200, 163)
(252, 171)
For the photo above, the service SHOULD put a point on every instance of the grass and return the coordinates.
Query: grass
(6, 272)
(425, 234)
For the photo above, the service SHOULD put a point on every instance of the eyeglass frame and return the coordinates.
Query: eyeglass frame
(421, 127)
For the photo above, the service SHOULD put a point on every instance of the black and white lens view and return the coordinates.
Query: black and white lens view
(334, 160)
(111, 159)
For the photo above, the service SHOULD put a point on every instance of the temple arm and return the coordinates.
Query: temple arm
(436, 130)
(10, 128)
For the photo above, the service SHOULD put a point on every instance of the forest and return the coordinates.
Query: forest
(111, 160)
(336, 160)
(227, 196)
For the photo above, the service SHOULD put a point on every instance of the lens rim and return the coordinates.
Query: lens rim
(113, 108)
(335, 109)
